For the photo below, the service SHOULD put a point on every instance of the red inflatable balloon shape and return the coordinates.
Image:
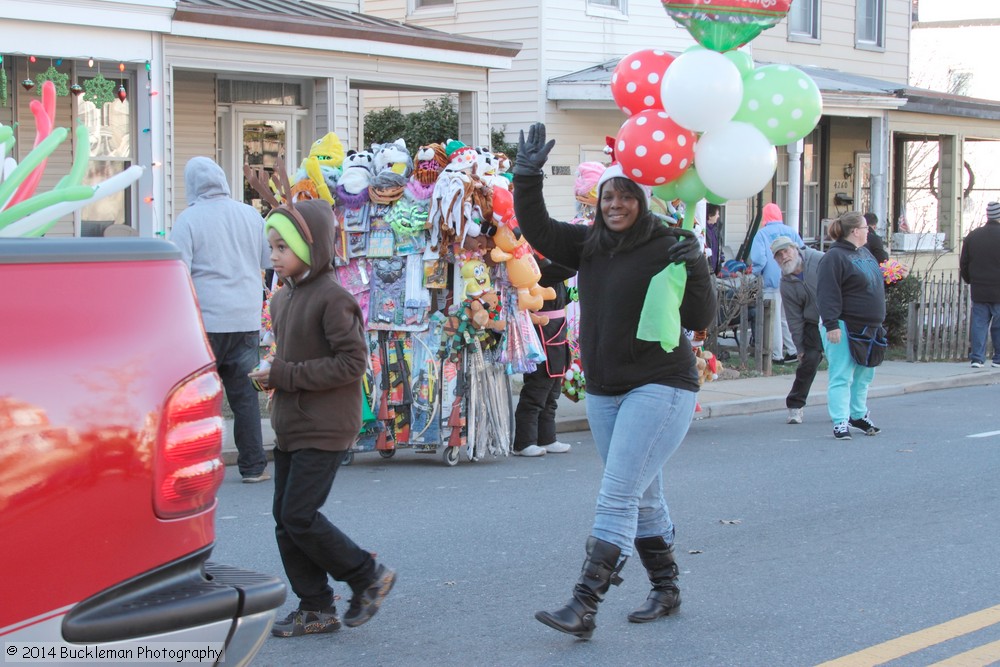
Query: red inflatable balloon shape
(652, 149)
(723, 25)
(636, 81)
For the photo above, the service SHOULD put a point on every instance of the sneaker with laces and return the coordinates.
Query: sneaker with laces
(865, 424)
(794, 415)
(530, 450)
(557, 447)
(841, 431)
(365, 603)
(263, 476)
(302, 622)
(977, 364)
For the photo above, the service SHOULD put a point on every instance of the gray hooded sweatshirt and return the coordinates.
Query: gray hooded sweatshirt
(222, 241)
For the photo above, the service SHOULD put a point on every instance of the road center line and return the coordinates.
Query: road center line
(987, 654)
(987, 434)
(917, 641)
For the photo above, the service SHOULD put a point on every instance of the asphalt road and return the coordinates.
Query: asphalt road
(794, 548)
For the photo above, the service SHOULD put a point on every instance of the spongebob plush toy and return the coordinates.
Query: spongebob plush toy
(318, 175)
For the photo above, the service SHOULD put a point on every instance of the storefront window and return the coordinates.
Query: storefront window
(111, 152)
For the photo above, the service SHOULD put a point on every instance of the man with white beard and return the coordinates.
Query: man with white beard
(799, 277)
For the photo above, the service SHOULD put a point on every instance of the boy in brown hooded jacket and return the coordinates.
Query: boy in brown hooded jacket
(316, 414)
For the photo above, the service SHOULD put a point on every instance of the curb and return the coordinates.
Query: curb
(748, 406)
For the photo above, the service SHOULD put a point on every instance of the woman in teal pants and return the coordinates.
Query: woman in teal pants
(851, 296)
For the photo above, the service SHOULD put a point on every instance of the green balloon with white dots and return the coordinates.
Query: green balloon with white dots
(781, 101)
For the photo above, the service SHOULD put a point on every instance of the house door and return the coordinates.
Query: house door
(263, 137)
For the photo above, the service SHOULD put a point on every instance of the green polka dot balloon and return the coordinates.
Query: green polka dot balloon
(781, 101)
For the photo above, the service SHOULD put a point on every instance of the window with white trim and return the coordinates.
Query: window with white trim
(607, 7)
(870, 28)
(803, 19)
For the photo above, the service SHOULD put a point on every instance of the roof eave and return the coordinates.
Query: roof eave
(333, 29)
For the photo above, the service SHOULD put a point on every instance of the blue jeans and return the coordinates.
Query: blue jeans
(236, 354)
(847, 381)
(635, 434)
(984, 316)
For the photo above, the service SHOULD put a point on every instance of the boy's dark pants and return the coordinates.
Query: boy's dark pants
(812, 354)
(535, 416)
(310, 546)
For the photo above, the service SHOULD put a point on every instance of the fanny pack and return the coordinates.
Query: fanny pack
(868, 345)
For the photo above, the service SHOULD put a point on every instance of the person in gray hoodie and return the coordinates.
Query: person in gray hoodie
(799, 278)
(222, 242)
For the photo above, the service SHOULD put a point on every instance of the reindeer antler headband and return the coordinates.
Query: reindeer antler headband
(259, 180)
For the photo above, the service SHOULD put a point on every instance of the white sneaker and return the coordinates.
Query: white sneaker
(530, 450)
(794, 415)
(978, 364)
(995, 364)
(557, 447)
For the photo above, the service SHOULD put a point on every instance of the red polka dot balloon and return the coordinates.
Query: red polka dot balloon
(652, 149)
(636, 81)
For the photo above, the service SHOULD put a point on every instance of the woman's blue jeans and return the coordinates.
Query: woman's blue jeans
(847, 381)
(636, 433)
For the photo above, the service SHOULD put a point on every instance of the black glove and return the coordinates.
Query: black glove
(533, 152)
(686, 249)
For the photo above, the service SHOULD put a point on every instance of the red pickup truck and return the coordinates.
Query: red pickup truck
(110, 456)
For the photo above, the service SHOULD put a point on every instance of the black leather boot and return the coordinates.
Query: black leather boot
(658, 558)
(599, 572)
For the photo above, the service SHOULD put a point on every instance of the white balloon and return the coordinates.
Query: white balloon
(702, 90)
(735, 161)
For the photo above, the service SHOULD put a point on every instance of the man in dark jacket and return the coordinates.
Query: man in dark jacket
(799, 278)
(875, 245)
(979, 266)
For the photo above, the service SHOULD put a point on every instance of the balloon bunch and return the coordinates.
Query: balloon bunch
(24, 213)
(705, 124)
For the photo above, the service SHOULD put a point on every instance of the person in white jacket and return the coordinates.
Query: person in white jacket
(783, 348)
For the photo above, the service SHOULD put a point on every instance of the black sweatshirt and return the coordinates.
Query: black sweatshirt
(612, 292)
(979, 262)
(851, 287)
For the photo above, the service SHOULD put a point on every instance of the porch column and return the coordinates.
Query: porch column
(792, 206)
(880, 174)
(950, 189)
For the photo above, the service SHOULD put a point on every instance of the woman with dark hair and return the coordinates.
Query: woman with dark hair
(851, 298)
(640, 391)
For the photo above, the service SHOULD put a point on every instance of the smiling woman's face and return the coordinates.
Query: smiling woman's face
(619, 207)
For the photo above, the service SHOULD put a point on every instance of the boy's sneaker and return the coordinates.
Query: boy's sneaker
(557, 447)
(530, 450)
(794, 415)
(366, 603)
(301, 622)
(865, 424)
(841, 431)
(977, 364)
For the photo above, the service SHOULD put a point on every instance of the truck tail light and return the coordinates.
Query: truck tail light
(188, 468)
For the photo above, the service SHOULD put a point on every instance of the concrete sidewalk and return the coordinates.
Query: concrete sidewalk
(742, 396)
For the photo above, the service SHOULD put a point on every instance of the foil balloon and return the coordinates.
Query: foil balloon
(722, 25)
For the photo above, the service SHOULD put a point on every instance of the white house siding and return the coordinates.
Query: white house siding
(193, 102)
(836, 47)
